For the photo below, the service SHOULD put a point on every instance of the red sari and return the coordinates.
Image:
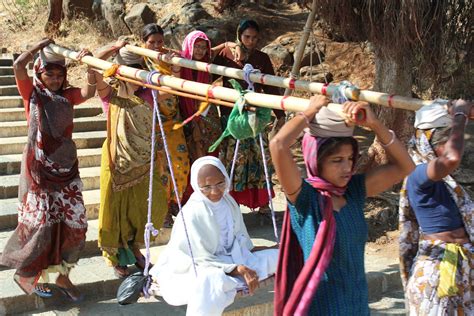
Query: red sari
(52, 221)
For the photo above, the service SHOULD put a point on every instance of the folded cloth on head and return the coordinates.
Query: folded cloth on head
(434, 115)
(328, 123)
(126, 57)
(48, 56)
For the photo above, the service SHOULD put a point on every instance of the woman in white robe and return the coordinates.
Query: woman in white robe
(220, 245)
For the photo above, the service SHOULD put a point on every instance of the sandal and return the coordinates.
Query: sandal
(70, 296)
(121, 272)
(40, 289)
(43, 290)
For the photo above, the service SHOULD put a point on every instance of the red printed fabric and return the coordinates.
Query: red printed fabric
(52, 221)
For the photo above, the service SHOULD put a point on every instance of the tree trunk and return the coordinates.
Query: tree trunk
(55, 8)
(393, 77)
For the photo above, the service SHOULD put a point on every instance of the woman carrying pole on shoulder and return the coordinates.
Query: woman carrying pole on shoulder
(321, 261)
(125, 167)
(153, 38)
(249, 185)
(52, 220)
(437, 216)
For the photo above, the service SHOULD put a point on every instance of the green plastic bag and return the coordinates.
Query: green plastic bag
(243, 124)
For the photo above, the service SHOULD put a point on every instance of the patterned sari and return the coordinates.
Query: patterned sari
(125, 178)
(420, 260)
(170, 115)
(52, 221)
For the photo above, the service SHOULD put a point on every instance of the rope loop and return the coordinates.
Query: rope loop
(339, 95)
(248, 69)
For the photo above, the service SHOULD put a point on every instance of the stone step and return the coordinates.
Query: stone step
(88, 157)
(82, 124)
(91, 248)
(6, 70)
(391, 303)
(91, 275)
(96, 280)
(7, 80)
(260, 304)
(18, 114)
(6, 61)
(9, 90)
(9, 184)
(11, 102)
(9, 213)
(15, 145)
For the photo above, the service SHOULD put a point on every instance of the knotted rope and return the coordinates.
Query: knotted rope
(248, 69)
(149, 225)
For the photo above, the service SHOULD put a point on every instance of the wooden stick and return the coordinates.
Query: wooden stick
(384, 99)
(178, 93)
(295, 70)
(216, 92)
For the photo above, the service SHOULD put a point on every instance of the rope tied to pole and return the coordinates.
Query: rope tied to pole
(248, 69)
(339, 95)
(149, 225)
(111, 71)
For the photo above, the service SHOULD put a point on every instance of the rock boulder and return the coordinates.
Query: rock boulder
(138, 17)
(114, 11)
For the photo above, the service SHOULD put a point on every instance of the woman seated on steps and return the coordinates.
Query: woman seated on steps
(225, 257)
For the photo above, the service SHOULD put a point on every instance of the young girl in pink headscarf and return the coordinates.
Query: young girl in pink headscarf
(321, 261)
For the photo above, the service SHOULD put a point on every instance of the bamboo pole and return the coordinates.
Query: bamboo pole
(178, 93)
(374, 97)
(216, 92)
(302, 45)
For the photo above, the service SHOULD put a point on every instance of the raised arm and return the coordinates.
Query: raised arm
(19, 66)
(400, 163)
(454, 148)
(286, 169)
(88, 91)
(216, 49)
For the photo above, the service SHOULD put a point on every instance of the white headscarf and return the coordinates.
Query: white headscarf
(221, 210)
(328, 123)
(197, 165)
(434, 115)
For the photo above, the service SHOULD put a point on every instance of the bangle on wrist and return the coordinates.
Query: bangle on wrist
(305, 117)
(105, 87)
(392, 140)
(466, 117)
(91, 84)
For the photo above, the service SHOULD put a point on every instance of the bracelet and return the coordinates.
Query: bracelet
(305, 117)
(463, 114)
(106, 86)
(391, 140)
(91, 84)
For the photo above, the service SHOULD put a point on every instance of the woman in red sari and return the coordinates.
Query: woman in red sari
(52, 221)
